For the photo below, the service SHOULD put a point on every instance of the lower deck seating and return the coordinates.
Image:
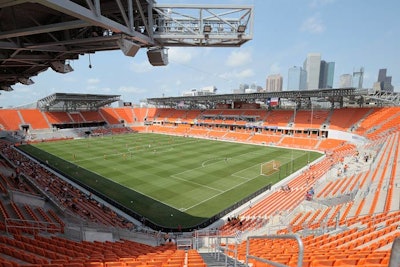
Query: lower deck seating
(24, 251)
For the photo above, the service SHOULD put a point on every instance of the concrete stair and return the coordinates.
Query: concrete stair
(211, 260)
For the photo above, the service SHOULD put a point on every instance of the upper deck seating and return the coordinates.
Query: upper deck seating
(10, 119)
(310, 119)
(110, 115)
(92, 116)
(278, 118)
(126, 114)
(344, 119)
(58, 117)
(35, 118)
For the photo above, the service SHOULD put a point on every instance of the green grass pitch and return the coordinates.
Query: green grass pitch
(170, 180)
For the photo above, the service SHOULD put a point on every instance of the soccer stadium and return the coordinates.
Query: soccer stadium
(294, 178)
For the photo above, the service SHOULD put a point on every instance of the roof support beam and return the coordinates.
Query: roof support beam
(70, 8)
(44, 29)
(8, 3)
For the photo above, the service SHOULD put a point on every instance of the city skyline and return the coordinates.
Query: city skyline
(281, 40)
(315, 74)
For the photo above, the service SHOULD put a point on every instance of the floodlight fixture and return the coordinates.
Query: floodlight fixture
(207, 28)
(241, 28)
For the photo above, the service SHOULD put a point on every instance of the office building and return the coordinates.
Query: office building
(358, 78)
(312, 65)
(274, 83)
(327, 71)
(297, 79)
(385, 82)
(345, 81)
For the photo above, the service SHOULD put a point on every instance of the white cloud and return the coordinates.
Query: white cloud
(131, 89)
(246, 73)
(274, 68)
(103, 90)
(140, 67)
(238, 58)
(313, 25)
(91, 87)
(22, 88)
(70, 79)
(94, 88)
(93, 81)
(180, 54)
(237, 74)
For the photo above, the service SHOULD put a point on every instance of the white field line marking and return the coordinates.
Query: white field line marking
(130, 149)
(243, 177)
(198, 184)
(205, 200)
(131, 189)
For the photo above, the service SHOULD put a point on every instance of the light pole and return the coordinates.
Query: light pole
(294, 125)
(311, 131)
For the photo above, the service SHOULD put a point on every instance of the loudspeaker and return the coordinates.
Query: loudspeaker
(25, 81)
(128, 47)
(6, 88)
(61, 67)
(158, 57)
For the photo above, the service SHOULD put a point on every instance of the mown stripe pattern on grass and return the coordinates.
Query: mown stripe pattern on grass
(192, 179)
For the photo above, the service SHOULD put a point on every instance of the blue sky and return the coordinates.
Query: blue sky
(352, 33)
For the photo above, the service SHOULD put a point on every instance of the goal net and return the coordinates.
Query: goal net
(270, 167)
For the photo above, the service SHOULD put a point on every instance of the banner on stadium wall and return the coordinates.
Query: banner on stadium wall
(272, 101)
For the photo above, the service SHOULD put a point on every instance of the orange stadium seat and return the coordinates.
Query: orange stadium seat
(35, 118)
(10, 119)
(58, 117)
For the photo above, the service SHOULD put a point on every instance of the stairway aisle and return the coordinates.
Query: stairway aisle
(211, 260)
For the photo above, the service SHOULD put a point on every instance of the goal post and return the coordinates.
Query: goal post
(270, 167)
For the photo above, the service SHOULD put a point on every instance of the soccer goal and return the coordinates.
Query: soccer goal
(270, 167)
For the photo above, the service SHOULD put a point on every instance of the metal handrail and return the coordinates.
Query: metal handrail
(395, 254)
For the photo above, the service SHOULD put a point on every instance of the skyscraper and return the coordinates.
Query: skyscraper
(358, 77)
(274, 83)
(385, 81)
(327, 71)
(297, 79)
(312, 65)
(382, 75)
(345, 81)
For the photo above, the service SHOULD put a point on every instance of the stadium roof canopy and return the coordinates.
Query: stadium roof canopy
(303, 98)
(210, 101)
(75, 102)
(40, 34)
